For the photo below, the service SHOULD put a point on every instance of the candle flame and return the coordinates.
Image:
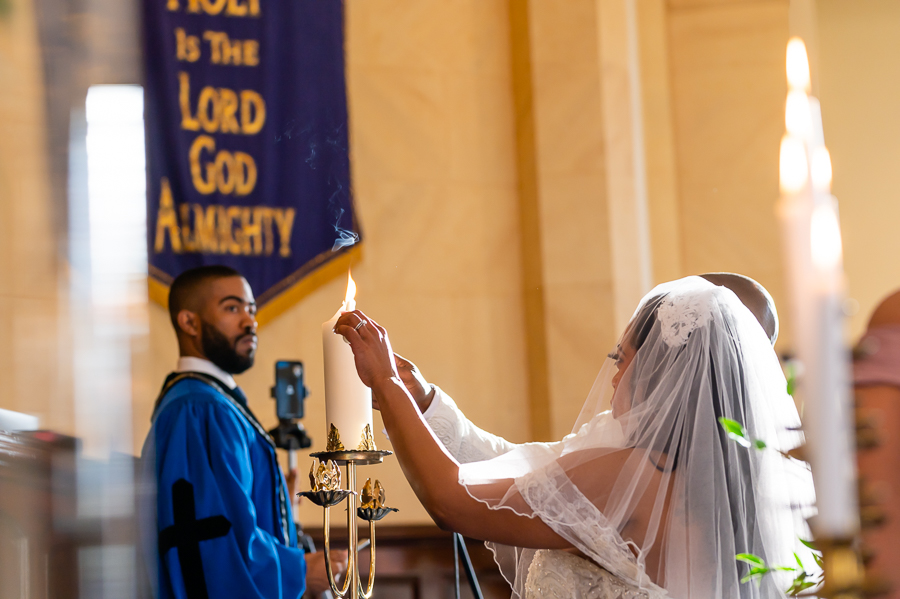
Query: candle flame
(821, 169)
(798, 118)
(350, 297)
(797, 65)
(825, 238)
(793, 165)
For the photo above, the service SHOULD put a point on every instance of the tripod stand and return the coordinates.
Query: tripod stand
(460, 552)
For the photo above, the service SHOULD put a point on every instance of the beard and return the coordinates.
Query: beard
(220, 351)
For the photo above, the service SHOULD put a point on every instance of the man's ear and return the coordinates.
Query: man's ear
(189, 323)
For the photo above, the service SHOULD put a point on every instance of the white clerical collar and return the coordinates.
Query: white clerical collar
(192, 364)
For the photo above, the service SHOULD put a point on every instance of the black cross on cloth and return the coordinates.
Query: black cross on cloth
(186, 534)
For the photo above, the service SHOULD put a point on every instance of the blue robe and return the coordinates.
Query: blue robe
(223, 522)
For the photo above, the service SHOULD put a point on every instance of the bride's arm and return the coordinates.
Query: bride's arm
(431, 471)
(459, 435)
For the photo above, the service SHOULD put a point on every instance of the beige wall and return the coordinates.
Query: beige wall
(728, 90)
(30, 341)
(575, 252)
(858, 50)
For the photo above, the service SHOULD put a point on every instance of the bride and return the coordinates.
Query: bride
(653, 502)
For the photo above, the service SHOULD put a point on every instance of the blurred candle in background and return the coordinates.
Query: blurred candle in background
(814, 259)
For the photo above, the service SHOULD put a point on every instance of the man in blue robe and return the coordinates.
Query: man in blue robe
(223, 514)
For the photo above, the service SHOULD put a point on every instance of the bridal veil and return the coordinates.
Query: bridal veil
(698, 355)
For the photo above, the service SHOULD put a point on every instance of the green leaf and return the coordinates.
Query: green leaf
(759, 444)
(809, 544)
(818, 559)
(753, 560)
(742, 441)
(799, 563)
(756, 574)
(735, 431)
(732, 426)
(796, 589)
(791, 377)
(799, 587)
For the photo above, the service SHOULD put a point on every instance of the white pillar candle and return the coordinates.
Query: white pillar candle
(348, 402)
(812, 244)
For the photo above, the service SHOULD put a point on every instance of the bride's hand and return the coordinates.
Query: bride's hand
(371, 347)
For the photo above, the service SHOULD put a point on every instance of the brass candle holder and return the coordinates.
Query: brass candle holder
(327, 492)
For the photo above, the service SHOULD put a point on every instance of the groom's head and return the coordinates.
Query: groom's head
(214, 314)
(753, 295)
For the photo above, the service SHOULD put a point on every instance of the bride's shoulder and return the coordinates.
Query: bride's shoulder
(597, 470)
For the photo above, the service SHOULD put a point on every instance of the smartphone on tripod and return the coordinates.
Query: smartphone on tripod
(290, 395)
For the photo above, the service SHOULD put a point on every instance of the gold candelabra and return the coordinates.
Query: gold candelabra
(327, 492)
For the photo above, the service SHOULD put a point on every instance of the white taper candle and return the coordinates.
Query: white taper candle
(812, 243)
(348, 402)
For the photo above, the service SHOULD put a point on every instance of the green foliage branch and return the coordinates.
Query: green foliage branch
(757, 567)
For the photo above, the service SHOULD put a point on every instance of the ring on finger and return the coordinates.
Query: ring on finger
(361, 324)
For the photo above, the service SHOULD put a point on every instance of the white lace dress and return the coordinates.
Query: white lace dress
(561, 575)
(552, 574)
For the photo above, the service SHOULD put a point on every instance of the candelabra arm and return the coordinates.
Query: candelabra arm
(353, 565)
(326, 494)
(338, 593)
(367, 593)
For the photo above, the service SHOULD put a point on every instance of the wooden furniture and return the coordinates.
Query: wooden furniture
(38, 554)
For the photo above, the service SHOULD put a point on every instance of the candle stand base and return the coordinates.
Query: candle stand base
(844, 574)
(352, 587)
(361, 458)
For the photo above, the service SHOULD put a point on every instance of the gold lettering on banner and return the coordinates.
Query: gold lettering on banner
(252, 229)
(188, 239)
(215, 45)
(212, 7)
(245, 173)
(220, 109)
(228, 103)
(253, 112)
(205, 229)
(224, 50)
(225, 172)
(236, 9)
(231, 8)
(167, 220)
(208, 109)
(268, 233)
(218, 229)
(228, 172)
(284, 220)
(205, 185)
(228, 241)
(187, 47)
(188, 123)
(251, 53)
